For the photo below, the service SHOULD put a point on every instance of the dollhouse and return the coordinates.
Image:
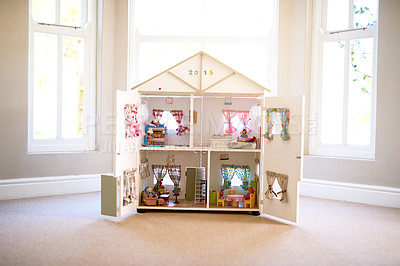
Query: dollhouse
(201, 136)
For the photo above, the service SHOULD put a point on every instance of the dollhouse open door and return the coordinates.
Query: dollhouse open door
(119, 193)
(282, 156)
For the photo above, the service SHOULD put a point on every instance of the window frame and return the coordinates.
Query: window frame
(321, 36)
(136, 40)
(87, 32)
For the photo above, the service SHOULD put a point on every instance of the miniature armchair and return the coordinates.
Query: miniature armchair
(147, 200)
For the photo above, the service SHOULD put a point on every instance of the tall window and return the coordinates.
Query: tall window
(344, 77)
(62, 75)
(242, 34)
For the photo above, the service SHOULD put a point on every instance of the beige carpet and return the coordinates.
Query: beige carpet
(69, 230)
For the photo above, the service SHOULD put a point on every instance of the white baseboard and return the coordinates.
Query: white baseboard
(49, 186)
(373, 195)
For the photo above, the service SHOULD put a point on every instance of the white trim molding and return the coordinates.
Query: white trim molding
(367, 194)
(49, 186)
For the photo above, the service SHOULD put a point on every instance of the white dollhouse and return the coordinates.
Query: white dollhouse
(201, 136)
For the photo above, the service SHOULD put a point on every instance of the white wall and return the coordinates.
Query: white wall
(15, 162)
(293, 79)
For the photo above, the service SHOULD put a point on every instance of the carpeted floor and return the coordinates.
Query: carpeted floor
(69, 230)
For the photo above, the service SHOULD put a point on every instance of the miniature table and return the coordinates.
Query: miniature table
(165, 197)
(235, 198)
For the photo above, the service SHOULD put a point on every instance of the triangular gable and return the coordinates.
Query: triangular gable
(201, 73)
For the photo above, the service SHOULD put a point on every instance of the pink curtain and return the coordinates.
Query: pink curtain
(244, 118)
(157, 114)
(229, 114)
(178, 115)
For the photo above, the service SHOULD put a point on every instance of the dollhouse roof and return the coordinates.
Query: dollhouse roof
(201, 74)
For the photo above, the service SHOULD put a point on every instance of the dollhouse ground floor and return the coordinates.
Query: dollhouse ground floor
(199, 179)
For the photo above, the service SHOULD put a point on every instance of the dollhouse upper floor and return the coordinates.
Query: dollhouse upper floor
(200, 103)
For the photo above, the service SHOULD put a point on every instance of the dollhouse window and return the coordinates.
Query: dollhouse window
(236, 182)
(169, 121)
(166, 180)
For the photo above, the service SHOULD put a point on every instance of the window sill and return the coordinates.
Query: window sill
(339, 157)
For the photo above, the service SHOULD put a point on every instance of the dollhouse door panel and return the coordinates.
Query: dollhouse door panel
(126, 153)
(282, 156)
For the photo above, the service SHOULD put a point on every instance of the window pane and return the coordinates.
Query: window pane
(237, 18)
(337, 15)
(45, 86)
(204, 18)
(332, 93)
(360, 87)
(250, 59)
(44, 11)
(365, 12)
(72, 86)
(70, 12)
(174, 17)
(156, 57)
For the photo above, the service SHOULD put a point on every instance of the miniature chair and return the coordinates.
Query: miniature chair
(231, 192)
(222, 201)
(251, 191)
(249, 203)
(149, 201)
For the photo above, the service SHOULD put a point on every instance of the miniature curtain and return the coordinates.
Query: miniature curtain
(129, 194)
(244, 118)
(229, 115)
(271, 176)
(227, 172)
(283, 183)
(132, 127)
(243, 173)
(174, 172)
(285, 116)
(144, 169)
(270, 124)
(178, 115)
(159, 172)
(157, 114)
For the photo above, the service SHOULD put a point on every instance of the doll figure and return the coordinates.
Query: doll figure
(244, 134)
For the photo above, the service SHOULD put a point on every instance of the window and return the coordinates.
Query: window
(62, 50)
(169, 121)
(344, 78)
(167, 32)
(166, 180)
(236, 182)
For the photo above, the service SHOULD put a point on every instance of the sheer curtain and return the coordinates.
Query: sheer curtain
(159, 172)
(157, 114)
(244, 118)
(178, 115)
(229, 115)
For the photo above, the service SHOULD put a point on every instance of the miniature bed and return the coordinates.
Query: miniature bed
(200, 129)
